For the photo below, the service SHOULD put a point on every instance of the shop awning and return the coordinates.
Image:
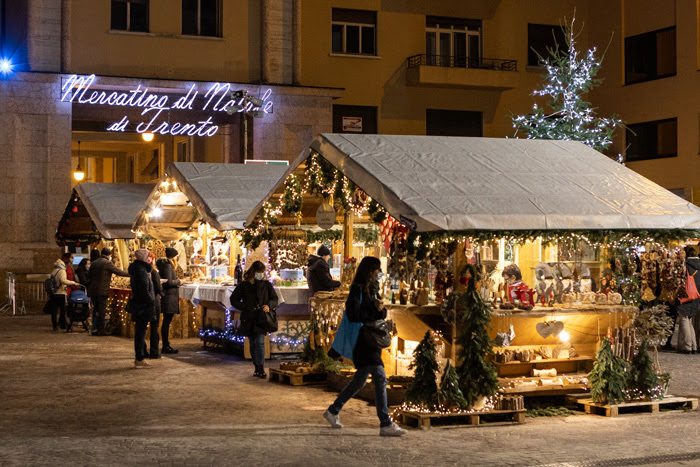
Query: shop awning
(224, 194)
(434, 183)
(111, 207)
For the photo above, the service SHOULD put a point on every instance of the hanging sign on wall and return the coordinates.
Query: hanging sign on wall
(157, 105)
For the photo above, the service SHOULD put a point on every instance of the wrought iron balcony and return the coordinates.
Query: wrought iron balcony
(461, 72)
(463, 62)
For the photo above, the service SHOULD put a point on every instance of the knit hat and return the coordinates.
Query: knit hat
(106, 252)
(323, 251)
(170, 252)
(142, 255)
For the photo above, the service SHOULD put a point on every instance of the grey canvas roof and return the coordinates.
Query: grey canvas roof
(224, 194)
(434, 183)
(114, 206)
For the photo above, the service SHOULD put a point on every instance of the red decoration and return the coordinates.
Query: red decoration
(464, 280)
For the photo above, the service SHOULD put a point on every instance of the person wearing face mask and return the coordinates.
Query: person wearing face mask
(170, 304)
(252, 295)
(363, 306)
(141, 305)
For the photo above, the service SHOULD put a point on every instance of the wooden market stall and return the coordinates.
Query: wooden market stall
(197, 208)
(99, 215)
(497, 202)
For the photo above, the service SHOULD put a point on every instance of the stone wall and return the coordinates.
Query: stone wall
(35, 131)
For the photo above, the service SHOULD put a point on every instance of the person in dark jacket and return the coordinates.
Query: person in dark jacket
(170, 304)
(142, 305)
(83, 274)
(318, 274)
(158, 292)
(252, 296)
(687, 343)
(362, 306)
(100, 276)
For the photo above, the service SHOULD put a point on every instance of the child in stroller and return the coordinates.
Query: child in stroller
(78, 308)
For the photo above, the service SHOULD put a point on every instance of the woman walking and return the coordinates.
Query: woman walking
(169, 304)
(154, 337)
(251, 297)
(142, 302)
(363, 306)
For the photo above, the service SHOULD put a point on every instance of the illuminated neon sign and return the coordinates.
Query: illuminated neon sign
(155, 105)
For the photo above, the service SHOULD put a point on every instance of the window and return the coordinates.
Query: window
(354, 119)
(452, 42)
(543, 36)
(201, 18)
(652, 140)
(651, 55)
(130, 15)
(354, 32)
(453, 123)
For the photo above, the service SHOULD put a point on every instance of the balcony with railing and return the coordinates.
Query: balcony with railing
(461, 72)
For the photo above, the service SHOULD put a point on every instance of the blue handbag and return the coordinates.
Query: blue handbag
(346, 337)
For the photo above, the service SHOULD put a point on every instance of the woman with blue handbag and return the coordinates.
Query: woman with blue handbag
(365, 306)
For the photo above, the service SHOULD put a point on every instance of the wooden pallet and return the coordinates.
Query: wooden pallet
(488, 418)
(668, 402)
(297, 379)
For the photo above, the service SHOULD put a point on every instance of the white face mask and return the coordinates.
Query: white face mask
(259, 276)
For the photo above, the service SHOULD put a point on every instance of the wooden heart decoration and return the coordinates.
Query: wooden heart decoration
(550, 328)
(544, 329)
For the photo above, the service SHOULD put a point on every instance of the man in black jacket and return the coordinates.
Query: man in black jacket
(142, 302)
(100, 274)
(318, 273)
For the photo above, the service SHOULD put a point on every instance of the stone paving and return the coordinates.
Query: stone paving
(73, 399)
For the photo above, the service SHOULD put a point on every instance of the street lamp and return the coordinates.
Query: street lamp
(79, 173)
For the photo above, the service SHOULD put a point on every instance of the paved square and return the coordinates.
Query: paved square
(73, 399)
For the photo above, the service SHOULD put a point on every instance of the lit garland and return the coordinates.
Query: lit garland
(321, 178)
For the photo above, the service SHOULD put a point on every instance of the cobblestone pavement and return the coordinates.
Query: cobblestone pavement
(73, 399)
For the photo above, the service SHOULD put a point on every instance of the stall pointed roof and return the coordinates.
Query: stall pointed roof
(113, 206)
(224, 194)
(435, 183)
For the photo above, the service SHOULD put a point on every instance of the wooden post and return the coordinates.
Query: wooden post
(347, 234)
(458, 262)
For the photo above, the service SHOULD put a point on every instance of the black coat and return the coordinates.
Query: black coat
(100, 275)
(691, 308)
(319, 277)
(360, 308)
(248, 299)
(157, 290)
(83, 276)
(171, 294)
(142, 302)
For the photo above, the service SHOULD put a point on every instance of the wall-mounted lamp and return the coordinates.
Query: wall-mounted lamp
(147, 137)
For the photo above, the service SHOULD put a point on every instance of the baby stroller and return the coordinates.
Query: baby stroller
(78, 309)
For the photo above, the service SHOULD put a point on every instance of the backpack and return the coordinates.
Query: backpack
(690, 288)
(51, 285)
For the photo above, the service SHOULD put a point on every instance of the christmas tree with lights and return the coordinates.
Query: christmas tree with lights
(643, 380)
(569, 78)
(423, 390)
(449, 395)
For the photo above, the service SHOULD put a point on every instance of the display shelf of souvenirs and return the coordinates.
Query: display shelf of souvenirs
(538, 362)
(549, 384)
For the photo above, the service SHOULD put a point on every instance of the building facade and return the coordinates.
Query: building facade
(86, 79)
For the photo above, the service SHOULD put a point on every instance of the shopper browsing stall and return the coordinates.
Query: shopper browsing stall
(688, 311)
(100, 276)
(170, 305)
(57, 301)
(364, 306)
(142, 303)
(254, 298)
(158, 294)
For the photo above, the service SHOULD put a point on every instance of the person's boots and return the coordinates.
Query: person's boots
(257, 371)
(261, 372)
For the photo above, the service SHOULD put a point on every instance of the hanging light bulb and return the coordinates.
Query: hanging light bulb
(564, 336)
(79, 173)
(147, 137)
